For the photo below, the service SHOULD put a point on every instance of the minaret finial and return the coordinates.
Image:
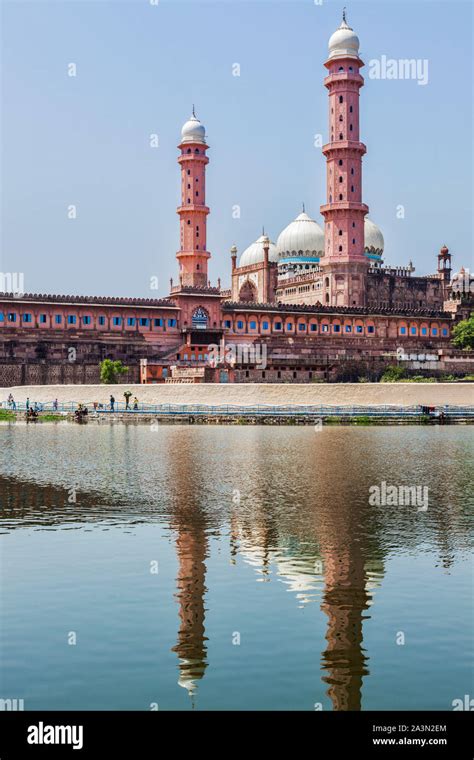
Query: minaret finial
(263, 229)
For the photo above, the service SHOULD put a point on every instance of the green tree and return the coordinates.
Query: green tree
(393, 374)
(463, 334)
(110, 371)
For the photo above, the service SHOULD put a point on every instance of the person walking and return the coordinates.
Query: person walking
(55, 404)
(112, 402)
(127, 395)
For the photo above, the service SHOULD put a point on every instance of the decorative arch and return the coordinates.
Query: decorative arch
(248, 292)
(200, 318)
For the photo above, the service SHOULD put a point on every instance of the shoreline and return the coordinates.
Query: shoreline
(254, 394)
(348, 404)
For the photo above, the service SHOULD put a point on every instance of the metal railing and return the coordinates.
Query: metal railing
(233, 410)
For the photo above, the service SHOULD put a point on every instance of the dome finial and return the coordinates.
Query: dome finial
(344, 15)
(194, 114)
(303, 207)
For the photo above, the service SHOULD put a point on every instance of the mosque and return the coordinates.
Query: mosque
(318, 300)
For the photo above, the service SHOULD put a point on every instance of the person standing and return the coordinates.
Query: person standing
(27, 404)
(112, 403)
(135, 404)
(55, 404)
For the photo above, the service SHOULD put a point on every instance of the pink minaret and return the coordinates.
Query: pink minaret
(192, 255)
(344, 263)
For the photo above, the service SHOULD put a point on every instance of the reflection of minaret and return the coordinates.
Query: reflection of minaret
(344, 601)
(191, 548)
(191, 524)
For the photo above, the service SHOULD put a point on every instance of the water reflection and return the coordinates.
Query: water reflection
(312, 532)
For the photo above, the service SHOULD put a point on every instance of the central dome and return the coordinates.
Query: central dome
(302, 237)
(254, 253)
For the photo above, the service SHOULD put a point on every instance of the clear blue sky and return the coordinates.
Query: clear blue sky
(85, 140)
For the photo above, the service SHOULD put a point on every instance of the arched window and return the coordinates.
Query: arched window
(340, 136)
(189, 221)
(340, 118)
(352, 188)
(350, 127)
(200, 318)
(340, 196)
(352, 171)
(326, 282)
(350, 109)
(353, 224)
(196, 150)
(340, 179)
(340, 232)
(188, 150)
(340, 248)
(340, 162)
(189, 172)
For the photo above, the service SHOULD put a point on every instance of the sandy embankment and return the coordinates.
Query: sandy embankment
(364, 394)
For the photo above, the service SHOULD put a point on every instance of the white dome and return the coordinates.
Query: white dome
(463, 281)
(303, 237)
(373, 238)
(193, 131)
(254, 253)
(344, 42)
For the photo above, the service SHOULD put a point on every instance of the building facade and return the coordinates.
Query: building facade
(314, 303)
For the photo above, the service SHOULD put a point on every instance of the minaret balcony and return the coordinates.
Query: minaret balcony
(193, 207)
(344, 145)
(344, 206)
(344, 76)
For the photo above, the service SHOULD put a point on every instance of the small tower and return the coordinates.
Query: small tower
(233, 256)
(444, 264)
(192, 255)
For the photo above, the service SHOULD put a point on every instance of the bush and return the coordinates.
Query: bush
(393, 374)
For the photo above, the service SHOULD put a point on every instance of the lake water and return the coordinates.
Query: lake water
(234, 567)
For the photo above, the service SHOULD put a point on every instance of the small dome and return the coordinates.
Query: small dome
(193, 131)
(303, 236)
(254, 253)
(463, 281)
(373, 238)
(344, 42)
